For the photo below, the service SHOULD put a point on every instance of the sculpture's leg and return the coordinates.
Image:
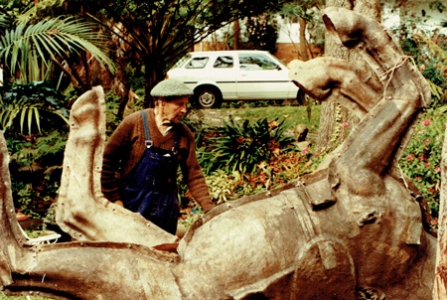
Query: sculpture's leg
(370, 150)
(78, 270)
(372, 147)
(82, 210)
(95, 271)
(10, 235)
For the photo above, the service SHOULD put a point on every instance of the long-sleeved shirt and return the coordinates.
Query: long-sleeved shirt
(127, 144)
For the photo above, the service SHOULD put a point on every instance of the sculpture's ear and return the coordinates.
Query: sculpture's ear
(317, 190)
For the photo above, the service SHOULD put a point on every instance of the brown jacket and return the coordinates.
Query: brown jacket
(127, 144)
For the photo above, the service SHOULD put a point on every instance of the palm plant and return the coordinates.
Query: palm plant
(241, 147)
(36, 52)
(54, 39)
(42, 61)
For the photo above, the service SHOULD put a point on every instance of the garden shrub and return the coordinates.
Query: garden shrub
(36, 168)
(422, 158)
(241, 147)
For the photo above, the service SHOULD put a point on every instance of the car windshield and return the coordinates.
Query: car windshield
(182, 61)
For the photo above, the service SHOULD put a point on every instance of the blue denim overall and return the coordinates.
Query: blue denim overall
(151, 187)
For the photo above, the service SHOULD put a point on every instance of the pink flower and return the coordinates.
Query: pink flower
(345, 124)
(426, 165)
(410, 157)
(426, 122)
(434, 221)
(427, 141)
(418, 178)
(437, 169)
(305, 151)
(421, 158)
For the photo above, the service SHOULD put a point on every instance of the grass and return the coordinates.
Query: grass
(292, 115)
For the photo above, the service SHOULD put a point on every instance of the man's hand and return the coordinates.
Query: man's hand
(119, 202)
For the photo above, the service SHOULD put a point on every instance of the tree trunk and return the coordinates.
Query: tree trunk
(237, 32)
(157, 74)
(303, 42)
(336, 121)
(440, 286)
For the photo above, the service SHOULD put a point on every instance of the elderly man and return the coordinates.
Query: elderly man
(146, 150)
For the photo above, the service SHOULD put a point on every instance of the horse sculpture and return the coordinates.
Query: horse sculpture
(353, 229)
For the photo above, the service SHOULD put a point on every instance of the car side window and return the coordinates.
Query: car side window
(223, 62)
(197, 63)
(251, 62)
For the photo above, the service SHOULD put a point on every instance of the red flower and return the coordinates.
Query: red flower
(410, 157)
(426, 165)
(426, 122)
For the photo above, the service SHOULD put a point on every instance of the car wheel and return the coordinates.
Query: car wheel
(208, 97)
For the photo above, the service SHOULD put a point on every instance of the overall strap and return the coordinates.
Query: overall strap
(177, 140)
(147, 134)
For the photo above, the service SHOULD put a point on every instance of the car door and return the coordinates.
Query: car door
(222, 72)
(261, 77)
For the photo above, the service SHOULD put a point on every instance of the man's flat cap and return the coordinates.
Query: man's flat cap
(171, 88)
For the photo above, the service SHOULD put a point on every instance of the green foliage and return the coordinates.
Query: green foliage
(263, 32)
(421, 161)
(35, 167)
(50, 39)
(429, 54)
(29, 102)
(222, 186)
(433, 65)
(279, 169)
(153, 35)
(438, 5)
(292, 115)
(240, 147)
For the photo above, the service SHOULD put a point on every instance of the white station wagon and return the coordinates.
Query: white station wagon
(217, 76)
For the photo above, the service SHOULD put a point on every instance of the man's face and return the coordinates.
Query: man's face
(173, 111)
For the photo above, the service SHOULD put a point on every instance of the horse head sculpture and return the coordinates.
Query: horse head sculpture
(353, 228)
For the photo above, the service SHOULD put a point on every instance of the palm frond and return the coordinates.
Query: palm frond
(51, 39)
(28, 113)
